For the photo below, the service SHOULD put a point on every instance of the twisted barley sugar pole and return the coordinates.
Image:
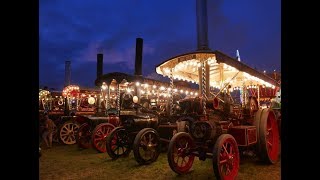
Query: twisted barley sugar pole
(118, 98)
(204, 95)
(171, 92)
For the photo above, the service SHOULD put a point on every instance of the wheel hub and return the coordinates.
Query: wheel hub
(230, 160)
(182, 152)
(149, 146)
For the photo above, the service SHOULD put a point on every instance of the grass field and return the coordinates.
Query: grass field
(68, 162)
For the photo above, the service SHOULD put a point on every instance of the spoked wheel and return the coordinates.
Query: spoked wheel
(99, 136)
(146, 146)
(118, 143)
(226, 157)
(268, 147)
(84, 136)
(179, 153)
(67, 132)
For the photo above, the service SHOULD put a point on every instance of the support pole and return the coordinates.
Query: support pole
(171, 92)
(204, 89)
(118, 98)
(258, 96)
(108, 97)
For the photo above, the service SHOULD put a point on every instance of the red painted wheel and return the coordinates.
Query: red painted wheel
(146, 146)
(179, 153)
(269, 140)
(99, 136)
(118, 143)
(226, 157)
(84, 136)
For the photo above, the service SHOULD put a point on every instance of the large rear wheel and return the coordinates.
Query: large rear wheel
(268, 135)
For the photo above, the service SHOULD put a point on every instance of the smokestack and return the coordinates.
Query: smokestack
(202, 25)
(67, 74)
(138, 60)
(99, 65)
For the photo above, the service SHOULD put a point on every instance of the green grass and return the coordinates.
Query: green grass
(68, 162)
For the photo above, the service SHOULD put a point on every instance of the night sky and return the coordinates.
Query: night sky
(77, 30)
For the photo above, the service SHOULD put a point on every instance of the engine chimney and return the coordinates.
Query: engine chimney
(138, 60)
(99, 65)
(67, 73)
(202, 25)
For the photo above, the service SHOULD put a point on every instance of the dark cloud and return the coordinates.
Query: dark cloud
(77, 30)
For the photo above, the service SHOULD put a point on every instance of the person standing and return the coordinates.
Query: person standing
(48, 131)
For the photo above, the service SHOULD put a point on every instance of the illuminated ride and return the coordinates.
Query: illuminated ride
(116, 98)
(147, 116)
(220, 127)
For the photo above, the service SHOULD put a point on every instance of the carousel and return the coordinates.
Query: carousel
(225, 127)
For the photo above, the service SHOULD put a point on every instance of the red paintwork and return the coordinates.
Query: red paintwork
(272, 137)
(80, 119)
(244, 135)
(182, 161)
(114, 120)
(228, 160)
(99, 136)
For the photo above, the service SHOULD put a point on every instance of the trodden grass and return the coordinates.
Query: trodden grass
(68, 162)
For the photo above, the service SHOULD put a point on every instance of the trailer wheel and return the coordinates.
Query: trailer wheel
(99, 136)
(118, 143)
(269, 140)
(179, 153)
(226, 157)
(84, 136)
(67, 132)
(146, 146)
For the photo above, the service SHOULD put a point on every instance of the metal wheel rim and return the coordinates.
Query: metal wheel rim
(272, 137)
(119, 141)
(180, 156)
(148, 146)
(67, 133)
(228, 159)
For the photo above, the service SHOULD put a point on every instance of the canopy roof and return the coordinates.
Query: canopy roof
(114, 78)
(222, 69)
